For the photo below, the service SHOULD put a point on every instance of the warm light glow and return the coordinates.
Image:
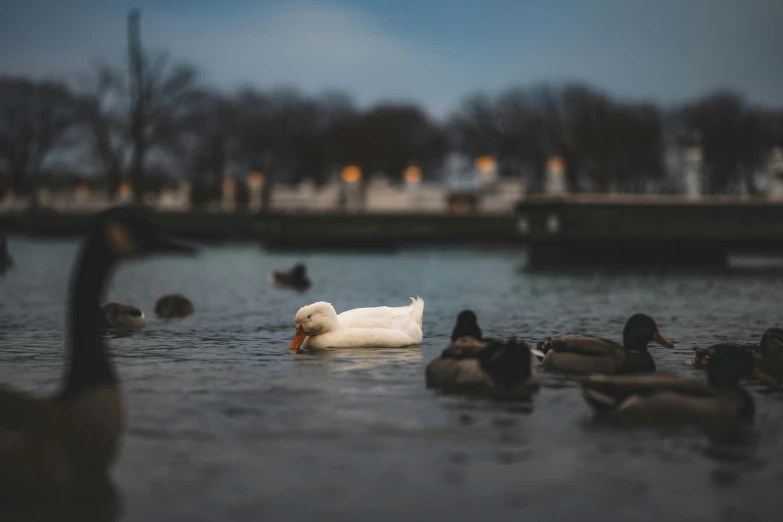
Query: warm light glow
(486, 163)
(81, 190)
(556, 164)
(229, 184)
(351, 174)
(125, 189)
(255, 179)
(412, 174)
(460, 206)
(9, 193)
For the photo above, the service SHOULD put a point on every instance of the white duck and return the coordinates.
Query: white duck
(319, 326)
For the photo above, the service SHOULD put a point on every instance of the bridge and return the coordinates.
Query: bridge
(647, 230)
(572, 230)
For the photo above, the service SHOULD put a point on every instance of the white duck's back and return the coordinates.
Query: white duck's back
(376, 326)
(396, 317)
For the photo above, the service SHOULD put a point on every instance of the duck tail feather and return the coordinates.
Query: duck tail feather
(417, 309)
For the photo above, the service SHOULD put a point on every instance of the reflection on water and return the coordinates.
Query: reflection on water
(224, 423)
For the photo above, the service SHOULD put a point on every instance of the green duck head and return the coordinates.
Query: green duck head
(641, 329)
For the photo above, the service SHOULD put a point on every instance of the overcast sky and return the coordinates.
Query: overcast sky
(434, 52)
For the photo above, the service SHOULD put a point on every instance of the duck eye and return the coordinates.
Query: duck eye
(309, 316)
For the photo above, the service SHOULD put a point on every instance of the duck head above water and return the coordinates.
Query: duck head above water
(299, 272)
(131, 231)
(466, 326)
(641, 329)
(313, 319)
(123, 315)
(728, 363)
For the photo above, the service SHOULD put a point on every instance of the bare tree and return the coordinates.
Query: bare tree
(123, 130)
(388, 138)
(34, 119)
(606, 145)
(103, 121)
(732, 140)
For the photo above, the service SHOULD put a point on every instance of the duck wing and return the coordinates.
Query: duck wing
(583, 345)
(463, 348)
(606, 392)
(395, 318)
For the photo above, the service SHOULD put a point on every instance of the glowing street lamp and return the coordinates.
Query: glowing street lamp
(485, 164)
(487, 167)
(351, 174)
(555, 176)
(412, 174)
(228, 187)
(125, 190)
(255, 181)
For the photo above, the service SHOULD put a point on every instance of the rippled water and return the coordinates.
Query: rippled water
(223, 423)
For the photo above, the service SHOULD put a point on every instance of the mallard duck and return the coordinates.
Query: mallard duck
(770, 358)
(768, 354)
(660, 399)
(5, 258)
(173, 305)
(702, 355)
(319, 326)
(473, 364)
(70, 440)
(585, 355)
(121, 315)
(295, 278)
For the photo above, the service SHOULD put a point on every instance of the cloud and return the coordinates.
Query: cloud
(311, 47)
(667, 50)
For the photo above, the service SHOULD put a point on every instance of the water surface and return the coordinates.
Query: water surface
(223, 423)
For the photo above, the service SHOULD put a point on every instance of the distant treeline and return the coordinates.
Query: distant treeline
(166, 121)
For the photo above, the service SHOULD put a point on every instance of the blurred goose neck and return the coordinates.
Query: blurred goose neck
(88, 364)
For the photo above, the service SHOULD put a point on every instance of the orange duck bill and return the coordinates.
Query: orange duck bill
(299, 338)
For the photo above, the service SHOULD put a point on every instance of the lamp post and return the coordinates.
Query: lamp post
(80, 194)
(255, 184)
(488, 169)
(775, 170)
(228, 187)
(351, 176)
(555, 176)
(124, 191)
(692, 163)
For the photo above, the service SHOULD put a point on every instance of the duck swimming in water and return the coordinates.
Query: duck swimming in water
(319, 326)
(295, 278)
(173, 305)
(70, 440)
(121, 315)
(585, 355)
(665, 399)
(770, 358)
(473, 364)
(768, 354)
